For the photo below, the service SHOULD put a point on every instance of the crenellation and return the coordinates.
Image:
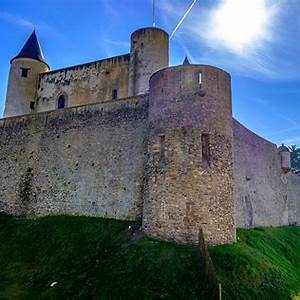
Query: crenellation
(83, 84)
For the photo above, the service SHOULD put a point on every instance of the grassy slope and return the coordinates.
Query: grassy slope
(92, 258)
(264, 264)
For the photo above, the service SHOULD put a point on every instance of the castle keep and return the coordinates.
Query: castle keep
(130, 137)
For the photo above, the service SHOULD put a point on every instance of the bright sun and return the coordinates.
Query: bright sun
(240, 23)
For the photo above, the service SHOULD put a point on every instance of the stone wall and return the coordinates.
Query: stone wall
(184, 191)
(174, 158)
(294, 196)
(264, 194)
(87, 160)
(84, 84)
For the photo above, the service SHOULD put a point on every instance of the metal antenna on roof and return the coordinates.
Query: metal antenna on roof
(153, 12)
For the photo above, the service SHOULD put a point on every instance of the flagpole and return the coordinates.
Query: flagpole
(153, 12)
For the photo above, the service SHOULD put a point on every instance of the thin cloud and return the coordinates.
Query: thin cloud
(273, 133)
(113, 47)
(270, 108)
(294, 125)
(187, 52)
(110, 9)
(21, 22)
(293, 140)
(15, 20)
(118, 44)
(109, 46)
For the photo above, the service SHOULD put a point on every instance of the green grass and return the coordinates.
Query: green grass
(264, 264)
(93, 258)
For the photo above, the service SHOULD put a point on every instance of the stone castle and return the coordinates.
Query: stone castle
(130, 137)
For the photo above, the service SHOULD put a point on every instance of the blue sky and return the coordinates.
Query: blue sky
(257, 41)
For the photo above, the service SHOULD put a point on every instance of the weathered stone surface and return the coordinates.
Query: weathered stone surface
(84, 84)
(149, 53)
(22, 90)
(294, 198)
(174, 158)
(86, 161)
(264, 194)
(182, 193)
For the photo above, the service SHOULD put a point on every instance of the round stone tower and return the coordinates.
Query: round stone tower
(189, 172)
(149, 53)
(23, 78)
(285, 158)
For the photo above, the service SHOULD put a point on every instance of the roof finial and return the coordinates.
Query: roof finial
(186, 61)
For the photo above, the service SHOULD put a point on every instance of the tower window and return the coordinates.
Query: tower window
(205, 150)
(32, 105)
(200, 79)
(61, 102)
(162, 141)
(24, 72)
(115, 94)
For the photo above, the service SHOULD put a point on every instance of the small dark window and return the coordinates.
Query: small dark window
(115, 94)
(24, 72)
(162, 141)
(61, 102)
(32, 105)
(205, 150)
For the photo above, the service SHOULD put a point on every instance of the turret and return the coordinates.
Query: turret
(189, 172)
(149, 53)
(23, 78)
(285, 158)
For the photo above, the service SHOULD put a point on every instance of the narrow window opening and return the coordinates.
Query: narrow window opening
(61, 102)
(115, 94)
(205, 150)
(24, 72)
(32, 105)
(162, 142)
(200, 79)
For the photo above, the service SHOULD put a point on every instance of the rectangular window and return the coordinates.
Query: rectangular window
(162, 140)
(24, 72)
(205, 150)
(115, 94)
(32, 105)
(200, 80)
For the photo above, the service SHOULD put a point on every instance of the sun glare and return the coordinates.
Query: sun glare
(240, 23)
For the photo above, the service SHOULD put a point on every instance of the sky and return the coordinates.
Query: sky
(256, 41)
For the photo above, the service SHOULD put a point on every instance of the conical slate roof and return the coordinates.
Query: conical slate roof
(31, 49)
(186, 61)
